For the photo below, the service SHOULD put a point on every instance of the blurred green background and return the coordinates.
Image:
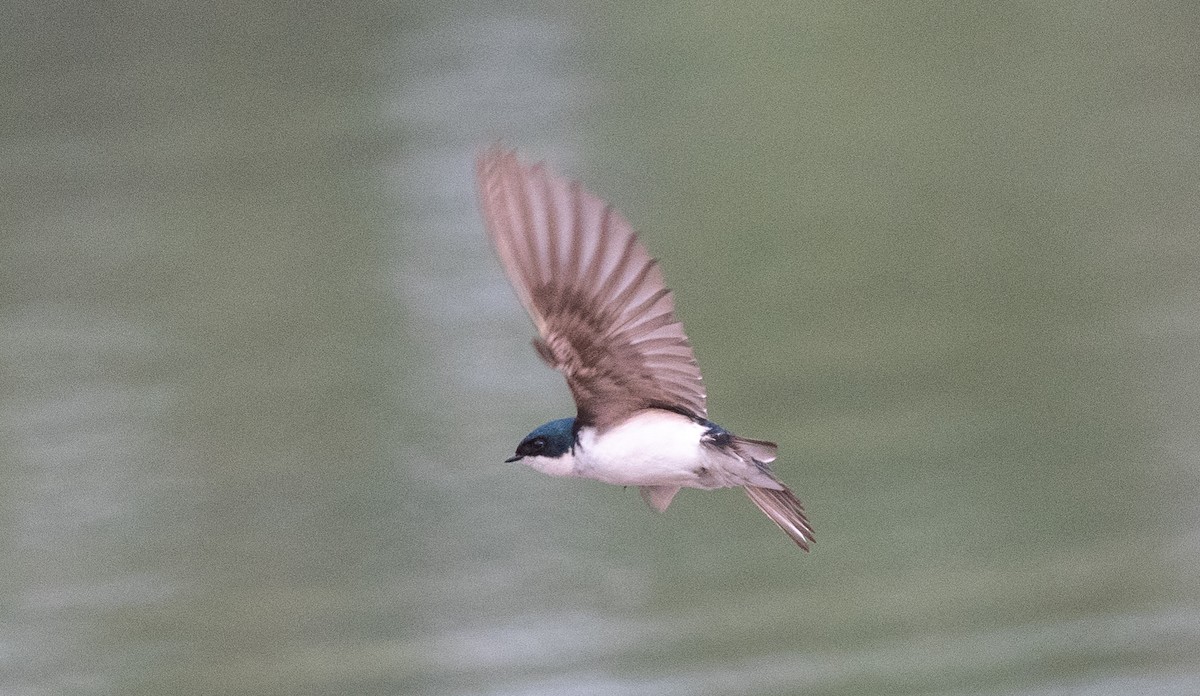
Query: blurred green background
(259, 367)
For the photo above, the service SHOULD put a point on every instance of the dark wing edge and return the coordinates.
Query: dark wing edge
(598, 299)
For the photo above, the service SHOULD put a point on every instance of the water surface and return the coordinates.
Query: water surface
(258, 367)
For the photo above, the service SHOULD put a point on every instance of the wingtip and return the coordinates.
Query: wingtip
(489, 157)
(659, 497)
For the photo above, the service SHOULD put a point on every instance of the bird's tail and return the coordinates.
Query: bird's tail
(785, 510)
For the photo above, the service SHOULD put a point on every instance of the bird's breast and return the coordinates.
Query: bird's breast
(652, 448)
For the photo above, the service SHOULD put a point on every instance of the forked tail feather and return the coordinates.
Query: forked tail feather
(785, 510)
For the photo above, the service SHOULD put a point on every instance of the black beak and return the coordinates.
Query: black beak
(515, 457)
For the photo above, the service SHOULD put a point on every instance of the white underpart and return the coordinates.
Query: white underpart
(654, 448)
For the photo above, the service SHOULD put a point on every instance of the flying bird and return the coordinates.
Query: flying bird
(606, 321)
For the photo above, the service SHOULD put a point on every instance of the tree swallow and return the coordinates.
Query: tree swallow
(606, 321)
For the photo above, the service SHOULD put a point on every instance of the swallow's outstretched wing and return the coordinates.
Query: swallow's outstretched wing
(605, 318)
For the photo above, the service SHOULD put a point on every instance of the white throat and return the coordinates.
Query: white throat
(557, 466)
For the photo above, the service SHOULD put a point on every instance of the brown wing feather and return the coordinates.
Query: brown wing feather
(604, 314)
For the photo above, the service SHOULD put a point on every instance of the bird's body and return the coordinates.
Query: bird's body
(655, 448)
(606, 321)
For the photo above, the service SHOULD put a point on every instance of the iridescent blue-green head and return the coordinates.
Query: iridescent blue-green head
(552, 440)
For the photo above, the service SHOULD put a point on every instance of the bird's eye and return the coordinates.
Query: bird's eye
(532, 447)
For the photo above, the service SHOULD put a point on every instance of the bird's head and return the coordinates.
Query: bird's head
(547, 443)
